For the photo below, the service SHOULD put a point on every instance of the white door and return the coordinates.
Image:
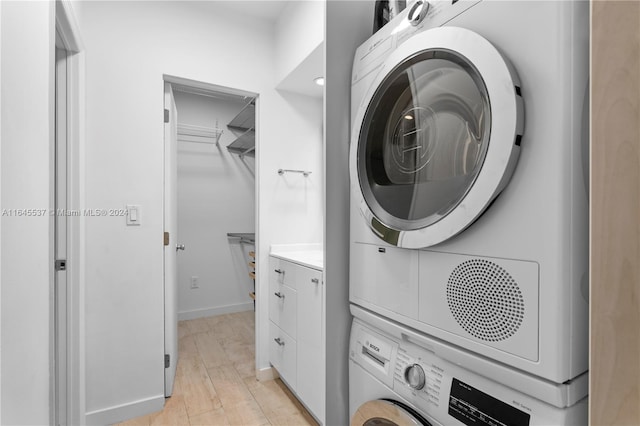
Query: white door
(60, 230)
(170, 239)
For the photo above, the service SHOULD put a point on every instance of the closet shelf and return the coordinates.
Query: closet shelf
(245, 119)
(245, 144)
(244, 237)
(243, 125)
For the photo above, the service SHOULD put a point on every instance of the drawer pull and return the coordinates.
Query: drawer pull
(278, 271)
(280, 295)
(278, 341)
(315, 280)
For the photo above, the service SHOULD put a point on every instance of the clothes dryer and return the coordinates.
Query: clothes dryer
(469, 178)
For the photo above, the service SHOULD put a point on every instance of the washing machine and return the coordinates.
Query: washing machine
(400, 377)
(469, 178)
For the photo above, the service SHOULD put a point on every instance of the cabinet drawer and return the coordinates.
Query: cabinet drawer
(283, 307)
(282, 354)
(282, 272)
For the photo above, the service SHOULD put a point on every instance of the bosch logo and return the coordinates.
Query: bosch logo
(374, 347)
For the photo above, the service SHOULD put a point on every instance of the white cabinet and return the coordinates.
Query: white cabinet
(296, 298)
(283, 354)
(283, 298)
(310, 386)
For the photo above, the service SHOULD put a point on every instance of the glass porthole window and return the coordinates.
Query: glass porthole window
(424, 139)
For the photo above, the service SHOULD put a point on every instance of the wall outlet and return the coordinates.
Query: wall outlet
(194, 282)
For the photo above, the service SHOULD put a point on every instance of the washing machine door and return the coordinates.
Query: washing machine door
(387, 412)
(436, 138)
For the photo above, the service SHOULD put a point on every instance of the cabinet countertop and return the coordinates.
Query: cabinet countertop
(309, 255)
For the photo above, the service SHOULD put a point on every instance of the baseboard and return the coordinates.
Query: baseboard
(219, 310)
(124, 412)
(265, 374)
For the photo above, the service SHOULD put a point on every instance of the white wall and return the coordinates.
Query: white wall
(26, 51)
(290, 206)
(0, 220)
(129, 46)
(216, 195)
(299, 30)
(295, 212)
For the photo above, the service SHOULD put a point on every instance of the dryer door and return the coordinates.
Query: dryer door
(386, 412)
(436, 138)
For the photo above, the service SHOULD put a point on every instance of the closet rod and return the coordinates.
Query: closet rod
(198, 134)
(305, 173)
(206, 142)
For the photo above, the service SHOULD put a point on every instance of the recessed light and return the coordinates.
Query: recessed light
(319, 81)
(408, 117)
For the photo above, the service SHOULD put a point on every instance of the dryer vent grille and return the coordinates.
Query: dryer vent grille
(485, 300)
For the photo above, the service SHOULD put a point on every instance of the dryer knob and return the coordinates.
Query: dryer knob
(418, 12)
(414, 375)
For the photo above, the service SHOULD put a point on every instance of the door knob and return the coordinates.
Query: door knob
(179, 247)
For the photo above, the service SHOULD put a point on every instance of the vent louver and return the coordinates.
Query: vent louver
(485, 300)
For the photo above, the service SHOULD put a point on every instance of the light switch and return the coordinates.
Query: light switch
(133, 215)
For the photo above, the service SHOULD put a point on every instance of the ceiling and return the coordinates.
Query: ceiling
(268, 10)
(299, 80)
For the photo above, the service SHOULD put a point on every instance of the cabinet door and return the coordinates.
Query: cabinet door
(310, 378)
(282, 354)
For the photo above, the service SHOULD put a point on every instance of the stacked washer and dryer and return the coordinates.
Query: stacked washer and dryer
(469, 216)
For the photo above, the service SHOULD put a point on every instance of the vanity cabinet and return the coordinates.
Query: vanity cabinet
(296, 350)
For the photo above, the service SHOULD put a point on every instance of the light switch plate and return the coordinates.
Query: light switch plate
(134, 215)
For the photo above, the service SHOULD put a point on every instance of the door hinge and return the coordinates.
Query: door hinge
(167, 360)
(166, 238)
(166, 115)
(61, 264)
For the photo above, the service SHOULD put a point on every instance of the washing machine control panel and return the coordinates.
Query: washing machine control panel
(436, 386)
(430, 378)
(416, 377)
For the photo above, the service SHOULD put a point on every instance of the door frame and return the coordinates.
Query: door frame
(73, 401)
(204, 87)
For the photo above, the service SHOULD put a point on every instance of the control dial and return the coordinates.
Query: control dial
(417, 12)
(414, 376)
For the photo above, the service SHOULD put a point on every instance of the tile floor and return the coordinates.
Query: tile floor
(215, 380)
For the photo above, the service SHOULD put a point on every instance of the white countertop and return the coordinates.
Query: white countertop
(309, 255)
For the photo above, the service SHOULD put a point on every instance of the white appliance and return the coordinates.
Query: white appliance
(398, 376)
(469, 178)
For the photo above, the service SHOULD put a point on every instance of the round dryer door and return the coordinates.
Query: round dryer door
(386, 412)
(436, 137)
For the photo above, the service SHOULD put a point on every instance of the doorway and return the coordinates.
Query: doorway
(213, 168)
